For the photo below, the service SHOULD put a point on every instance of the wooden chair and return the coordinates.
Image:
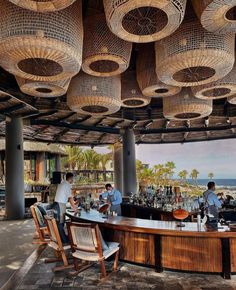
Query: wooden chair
(40, 226)
(86, 243)
(56, 243)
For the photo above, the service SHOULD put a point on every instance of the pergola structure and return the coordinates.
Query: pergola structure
(135, 62)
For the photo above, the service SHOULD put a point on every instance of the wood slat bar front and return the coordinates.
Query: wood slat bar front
(164, 245)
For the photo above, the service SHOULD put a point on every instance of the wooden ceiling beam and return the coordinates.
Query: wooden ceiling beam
(9, 110)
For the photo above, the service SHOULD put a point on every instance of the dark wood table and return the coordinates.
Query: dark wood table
(164, 245)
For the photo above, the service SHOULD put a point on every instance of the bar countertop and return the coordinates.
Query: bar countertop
(167, 228)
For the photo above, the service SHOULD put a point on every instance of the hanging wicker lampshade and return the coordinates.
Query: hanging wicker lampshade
(144, 21)
(232, 100)
(43, 89)
(194, 56)
(147, 79)
(131, 96)
(222, 88)
(218, 16)
(104, 53)
(92, 95)
(39, 46)
(43, 5)
(184, 106)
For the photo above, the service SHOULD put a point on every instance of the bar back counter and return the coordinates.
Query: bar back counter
(163, 245)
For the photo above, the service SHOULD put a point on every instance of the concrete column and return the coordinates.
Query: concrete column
(58, 162)
(40, 166)
(129, 162)
(118, 166)
(15, 203)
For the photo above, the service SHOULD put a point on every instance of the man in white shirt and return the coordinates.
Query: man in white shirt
(63, 195)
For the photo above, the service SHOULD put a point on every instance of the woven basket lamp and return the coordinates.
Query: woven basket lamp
(104, 53)
(131, 95)
(43, 89)
(184, 106)
(232, 100)
(147, 79)
(43, 5)
(222, 88)
(92, 95)
(218, 16)
(41, 46)
(144, 21)
(194, 56)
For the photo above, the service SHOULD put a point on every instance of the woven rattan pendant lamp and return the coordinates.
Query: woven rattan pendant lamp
(222, 88)
(232, 100)
(43, 5)
(193, 56)
(104, 53)
(218, 16)
(131, 96)
(144, 21)
(41, 46)
(92, 95)
(147, 79)
(43, 89)
(184, 106)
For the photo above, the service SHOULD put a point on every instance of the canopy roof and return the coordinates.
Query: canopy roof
(50, 120)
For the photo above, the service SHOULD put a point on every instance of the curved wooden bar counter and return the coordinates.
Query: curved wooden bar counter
(161, 244)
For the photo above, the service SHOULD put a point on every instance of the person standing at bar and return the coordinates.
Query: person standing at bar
(211, 200)
(63, 195)
(113, 197)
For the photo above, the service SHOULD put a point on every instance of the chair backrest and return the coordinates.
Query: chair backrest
(85, 237)
(37, 216)
(53, 231)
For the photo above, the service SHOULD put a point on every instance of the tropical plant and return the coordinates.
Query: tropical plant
(183, 175)
(91, 159)
(74, 158)
(210, 175)
(194, 175)
(170, 166)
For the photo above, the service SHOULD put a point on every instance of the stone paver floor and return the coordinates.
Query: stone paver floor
(128, 277)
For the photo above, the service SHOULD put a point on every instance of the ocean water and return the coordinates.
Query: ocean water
(219, 182)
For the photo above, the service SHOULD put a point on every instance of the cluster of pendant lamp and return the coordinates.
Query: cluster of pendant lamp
(188, 61)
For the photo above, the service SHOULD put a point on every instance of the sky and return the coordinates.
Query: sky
(218, 157)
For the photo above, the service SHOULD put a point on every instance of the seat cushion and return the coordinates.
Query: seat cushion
(88, 256)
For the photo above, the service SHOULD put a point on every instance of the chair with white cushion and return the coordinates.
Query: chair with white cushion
(88, 245)
(56, 243)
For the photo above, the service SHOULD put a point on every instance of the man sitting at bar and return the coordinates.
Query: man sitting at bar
(211, 200)
(113, 196)
(63, 195)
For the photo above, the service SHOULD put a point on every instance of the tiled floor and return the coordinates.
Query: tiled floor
(128, 277)
(15, 246)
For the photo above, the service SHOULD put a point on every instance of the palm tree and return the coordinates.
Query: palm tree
(91, 159)
(183, 175)
(74, 154)
(146, 177)
(170, 166)
(194, 175)
(210, 175)
(104, 159)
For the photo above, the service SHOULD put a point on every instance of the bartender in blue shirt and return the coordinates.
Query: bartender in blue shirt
(211, 200)
(113, 196)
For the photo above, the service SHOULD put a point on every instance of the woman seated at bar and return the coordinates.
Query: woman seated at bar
(113, 197)
(212, 203)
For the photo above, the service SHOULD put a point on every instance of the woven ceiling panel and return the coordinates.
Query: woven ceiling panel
(131, 96)
(144, 21)
(184, 106)
(43, 89)
(218, 16)
(147, 78)
(92, 95)
(193, 56)
(104, 53)
(222, 88)
(43, 5)
(38, 46)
